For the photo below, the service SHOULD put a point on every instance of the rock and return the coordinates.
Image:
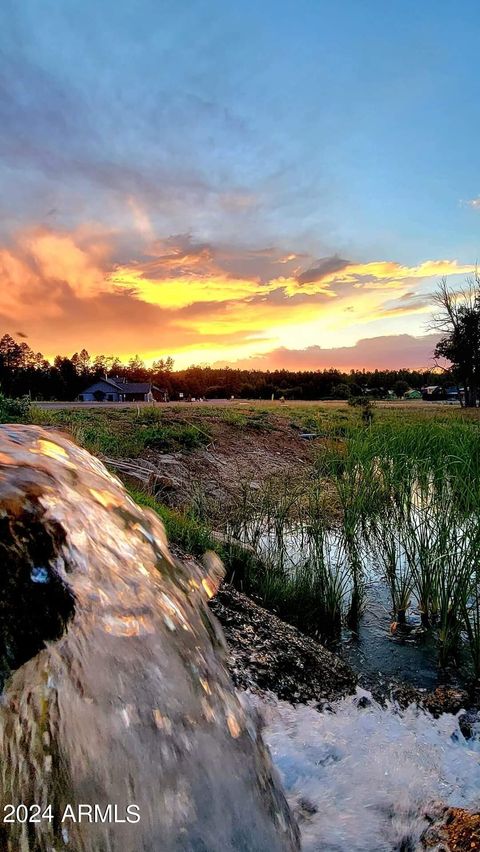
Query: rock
(469, 723)
(266, 654)
(363, 702)
(444, 699)
(456, 830)
(405, 694)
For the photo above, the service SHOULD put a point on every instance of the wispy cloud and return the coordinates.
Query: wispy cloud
(474, 203)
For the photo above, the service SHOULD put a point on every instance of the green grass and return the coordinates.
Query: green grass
(122, 433)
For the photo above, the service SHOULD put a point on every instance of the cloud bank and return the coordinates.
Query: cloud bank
(385, 352)
(202, 302)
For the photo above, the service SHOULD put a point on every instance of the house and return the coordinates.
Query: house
(433, 393)
(412, 394)
(454, 393)
(119, 389)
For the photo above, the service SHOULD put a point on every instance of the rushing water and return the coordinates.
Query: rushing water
(115, 690)
(361, 780)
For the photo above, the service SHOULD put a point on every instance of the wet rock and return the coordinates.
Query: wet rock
(456, 830)
(463, 830)
(363, 702)
(266, 654)
(405, 694)
(444, 699)
(117, 688)
(469, 724)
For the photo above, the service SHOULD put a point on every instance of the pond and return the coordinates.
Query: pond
(319, 566)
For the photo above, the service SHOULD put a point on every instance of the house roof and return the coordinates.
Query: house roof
(122, 386)
(126, 387)
(102, 382)
(132, 387)
(135, 387)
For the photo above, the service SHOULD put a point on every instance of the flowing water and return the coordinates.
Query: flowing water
(115, 693)
(362, 780)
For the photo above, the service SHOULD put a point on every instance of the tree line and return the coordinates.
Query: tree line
(24, 372)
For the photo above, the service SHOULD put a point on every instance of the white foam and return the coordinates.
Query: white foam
(369, 773)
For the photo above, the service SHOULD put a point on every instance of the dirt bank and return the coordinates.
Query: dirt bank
(236, 450)
(266, 654)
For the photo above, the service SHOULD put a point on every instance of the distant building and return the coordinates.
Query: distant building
(120, 390)
(433, 393)
(412, 394)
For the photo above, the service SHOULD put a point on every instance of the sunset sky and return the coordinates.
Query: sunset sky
(269, 183)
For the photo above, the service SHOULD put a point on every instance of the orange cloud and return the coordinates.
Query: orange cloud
(384, 274)
(59, 258)
(194, 300)
(394, 351)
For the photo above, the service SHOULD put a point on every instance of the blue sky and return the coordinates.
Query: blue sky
(318, 129)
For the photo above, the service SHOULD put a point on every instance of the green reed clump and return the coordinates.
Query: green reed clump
(470, 609)
(421, 545)
(412, 491)
(284, 524)
(386, 538)
(469, 604)
(319, 590)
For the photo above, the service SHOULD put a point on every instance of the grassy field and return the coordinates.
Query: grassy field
(403, 486)
(127, 430)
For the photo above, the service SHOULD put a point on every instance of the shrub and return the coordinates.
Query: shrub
(14, 410)
(340, 391)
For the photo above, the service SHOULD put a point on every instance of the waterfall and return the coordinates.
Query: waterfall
(115, 695)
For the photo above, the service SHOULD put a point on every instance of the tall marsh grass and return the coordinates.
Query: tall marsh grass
(406, 495)
(416, 496)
